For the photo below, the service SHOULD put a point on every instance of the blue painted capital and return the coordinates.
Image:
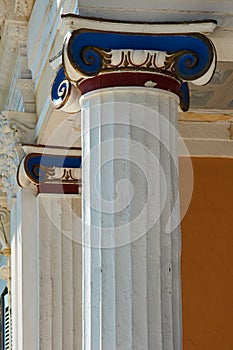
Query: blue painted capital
(96, 47)
(50, 169)
(188, 56)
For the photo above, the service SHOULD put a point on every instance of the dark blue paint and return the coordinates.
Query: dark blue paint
(35, 163)
(184, 97)
(60, 77)
(82, 43)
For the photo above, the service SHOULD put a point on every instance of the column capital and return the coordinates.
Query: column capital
(98, 53)
(46, 169)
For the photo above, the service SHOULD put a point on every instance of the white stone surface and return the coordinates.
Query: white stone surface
(25, 273)
(131, 276)
(60, 260)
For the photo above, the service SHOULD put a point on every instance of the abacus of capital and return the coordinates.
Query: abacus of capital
(128, 79)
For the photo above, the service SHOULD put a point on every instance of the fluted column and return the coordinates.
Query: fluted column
(60, 254)
(128, 80)
(131, 258)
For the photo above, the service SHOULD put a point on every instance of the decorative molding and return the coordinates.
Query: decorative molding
(15, 128)
(23, 8)
(132, 59)
(9, 168)
(13, 38)
(97, 47)
(14, 35)
(5, 272)
(5, 233)
(51, 169)
(26, 86)
(5, 215)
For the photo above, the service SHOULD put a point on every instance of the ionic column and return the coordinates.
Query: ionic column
(50, 177)
(129, 79)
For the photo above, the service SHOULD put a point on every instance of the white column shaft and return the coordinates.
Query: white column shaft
(60, 272)
(25, 281)
(131, 294)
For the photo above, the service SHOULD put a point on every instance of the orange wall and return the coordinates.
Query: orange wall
(207, 256)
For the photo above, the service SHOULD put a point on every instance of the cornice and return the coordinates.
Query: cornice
(20, 125)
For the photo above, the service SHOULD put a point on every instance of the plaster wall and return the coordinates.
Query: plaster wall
(207, 260)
